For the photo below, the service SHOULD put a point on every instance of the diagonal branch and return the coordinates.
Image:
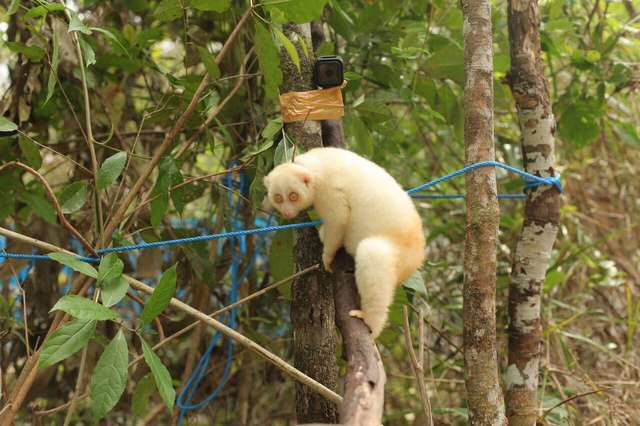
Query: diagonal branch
(54, 200)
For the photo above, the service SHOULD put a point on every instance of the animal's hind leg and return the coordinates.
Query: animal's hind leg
(376, 279)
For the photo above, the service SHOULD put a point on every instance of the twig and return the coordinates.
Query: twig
(54, 200)
(60, 407)
(87, 116)
(185, 146)
(417, 364)
(168, 140)
(241, 339)
(83, 364)
(227, 308)
(149, 198)
(571, 398)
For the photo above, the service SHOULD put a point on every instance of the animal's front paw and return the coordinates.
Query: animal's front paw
(326, 262)
(321, 233)
(356, 313)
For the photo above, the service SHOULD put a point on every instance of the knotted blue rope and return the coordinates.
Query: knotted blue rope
(531, 181)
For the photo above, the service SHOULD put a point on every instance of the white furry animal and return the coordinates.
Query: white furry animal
(363, 209)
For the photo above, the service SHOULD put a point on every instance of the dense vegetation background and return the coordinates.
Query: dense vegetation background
(143, 61)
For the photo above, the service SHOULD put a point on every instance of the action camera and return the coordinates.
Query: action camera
(328, 71)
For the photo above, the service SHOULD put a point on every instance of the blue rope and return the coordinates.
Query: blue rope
(531, 181)
(238, 249)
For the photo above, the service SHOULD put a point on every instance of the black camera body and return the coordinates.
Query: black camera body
(328, 71)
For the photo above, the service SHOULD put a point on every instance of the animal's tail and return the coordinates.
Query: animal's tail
(377, 279)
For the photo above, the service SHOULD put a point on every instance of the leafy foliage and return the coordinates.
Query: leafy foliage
(144, 61)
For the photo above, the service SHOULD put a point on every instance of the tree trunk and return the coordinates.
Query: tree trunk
(312, 308)
(542, 212)
(484, 395)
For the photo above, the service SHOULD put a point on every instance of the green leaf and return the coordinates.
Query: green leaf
(161, 296)
(109, 378)
(552, 279)
(33, 53)
(75, 24)
(416, 283)
(83, 308)
(269, 60)
(87, 52)
(39, 205)
(160, 375)
(43, 9)
(110, 267)
(66, 340)
(13, 7)
(578, 124)
(53, 71)
(272, 127)
(168, 176)
(210, 5)
(111, 169)
(141, 394)
(30, 152)
(283, 152)
(74, 263)
(298, 11)
(168, 10)
(6, 125)
(73, 196)
(209, 63)
(114, 290)
(281, 255)
(446, 62)
(111, 36)
(289, 47)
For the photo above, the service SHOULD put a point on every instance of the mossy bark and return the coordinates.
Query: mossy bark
(530, 90)
(312, 308)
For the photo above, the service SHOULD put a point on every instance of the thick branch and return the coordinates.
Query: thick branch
(364, 384)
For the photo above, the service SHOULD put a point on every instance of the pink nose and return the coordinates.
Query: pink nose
(288, 215)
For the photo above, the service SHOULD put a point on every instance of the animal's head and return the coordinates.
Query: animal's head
(290, 189)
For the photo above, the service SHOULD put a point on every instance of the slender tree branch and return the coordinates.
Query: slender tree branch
(225, 309)
(417, 362)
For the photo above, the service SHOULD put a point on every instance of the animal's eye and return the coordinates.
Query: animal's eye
(293, 196)
(278, 198)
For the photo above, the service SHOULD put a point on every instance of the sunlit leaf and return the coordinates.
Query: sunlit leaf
(83, 308)
(210, 5)
(74, 263)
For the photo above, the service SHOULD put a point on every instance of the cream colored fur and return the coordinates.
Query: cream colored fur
(363, 209)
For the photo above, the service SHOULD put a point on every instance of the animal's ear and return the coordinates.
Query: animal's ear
(305, 177)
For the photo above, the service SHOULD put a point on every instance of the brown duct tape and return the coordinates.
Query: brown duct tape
(321, 104)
